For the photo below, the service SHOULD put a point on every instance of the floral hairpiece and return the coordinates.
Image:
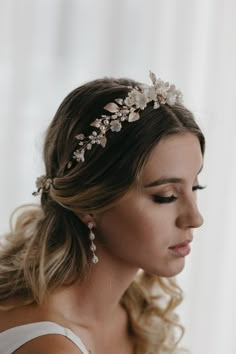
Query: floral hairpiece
(121, 110)
(42, 183)
(126, 109)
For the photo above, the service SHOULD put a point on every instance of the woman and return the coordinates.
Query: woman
(92, 269)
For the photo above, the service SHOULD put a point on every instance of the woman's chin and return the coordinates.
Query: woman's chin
(168, 271)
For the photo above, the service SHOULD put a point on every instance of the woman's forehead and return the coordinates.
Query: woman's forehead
(175, 156)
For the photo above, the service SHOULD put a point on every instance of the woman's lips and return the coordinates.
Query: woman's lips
(185, 243)
(181, 249)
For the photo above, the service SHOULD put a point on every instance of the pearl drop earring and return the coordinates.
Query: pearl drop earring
(92, 245)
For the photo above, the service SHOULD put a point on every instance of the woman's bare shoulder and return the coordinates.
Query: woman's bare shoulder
(46, 344)
(17, 316)
(49, 344)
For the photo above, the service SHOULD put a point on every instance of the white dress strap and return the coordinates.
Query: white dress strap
(15, 337)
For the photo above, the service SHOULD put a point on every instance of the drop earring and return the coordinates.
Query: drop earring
(92, 245)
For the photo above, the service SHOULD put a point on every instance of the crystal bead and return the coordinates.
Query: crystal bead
(91, 236)
(95, 259)
(89, 146)
(93, 247)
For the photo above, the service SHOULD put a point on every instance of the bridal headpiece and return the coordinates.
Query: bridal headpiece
(127, 109)
(120, 111)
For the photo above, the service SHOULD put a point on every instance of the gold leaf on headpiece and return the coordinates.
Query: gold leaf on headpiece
(103, 141)
(79, 136)
(152, 77)
(96, 123)
(120, 101)
(133, 116)
(128, 109)
(112, 107)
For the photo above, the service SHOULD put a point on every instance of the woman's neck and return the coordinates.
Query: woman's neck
(96, 300)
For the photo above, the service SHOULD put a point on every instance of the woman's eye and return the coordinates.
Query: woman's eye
(198, 187)
(159, 199)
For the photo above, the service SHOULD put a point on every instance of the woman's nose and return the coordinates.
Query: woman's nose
(190, 216)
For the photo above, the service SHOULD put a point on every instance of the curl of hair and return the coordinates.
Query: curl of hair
(48, 246)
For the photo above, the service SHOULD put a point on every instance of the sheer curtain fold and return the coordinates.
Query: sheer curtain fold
(50, 47)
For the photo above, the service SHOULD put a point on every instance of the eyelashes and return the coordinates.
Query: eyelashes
(159, 199)
(198, 186)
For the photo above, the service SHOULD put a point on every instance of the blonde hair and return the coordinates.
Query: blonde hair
(48, 245)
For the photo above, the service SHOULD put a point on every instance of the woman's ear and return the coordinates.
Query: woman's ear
(87, 217)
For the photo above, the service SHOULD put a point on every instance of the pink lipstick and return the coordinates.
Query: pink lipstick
(181, 249)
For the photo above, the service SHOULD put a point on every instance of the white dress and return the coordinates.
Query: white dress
(13, 338)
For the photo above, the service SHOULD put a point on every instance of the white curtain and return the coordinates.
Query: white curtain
(49, 47)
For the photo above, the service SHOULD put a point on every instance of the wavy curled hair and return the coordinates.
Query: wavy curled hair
(49, 247)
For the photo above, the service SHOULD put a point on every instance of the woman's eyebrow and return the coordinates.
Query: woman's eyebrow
(166, 180)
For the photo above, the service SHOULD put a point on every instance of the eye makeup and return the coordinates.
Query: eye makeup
(161, 200)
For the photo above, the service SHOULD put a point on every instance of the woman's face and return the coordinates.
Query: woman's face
(140, 229)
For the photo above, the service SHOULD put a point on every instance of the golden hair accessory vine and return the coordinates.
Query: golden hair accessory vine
(121, 110)
(126, 109)
(42, 184)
